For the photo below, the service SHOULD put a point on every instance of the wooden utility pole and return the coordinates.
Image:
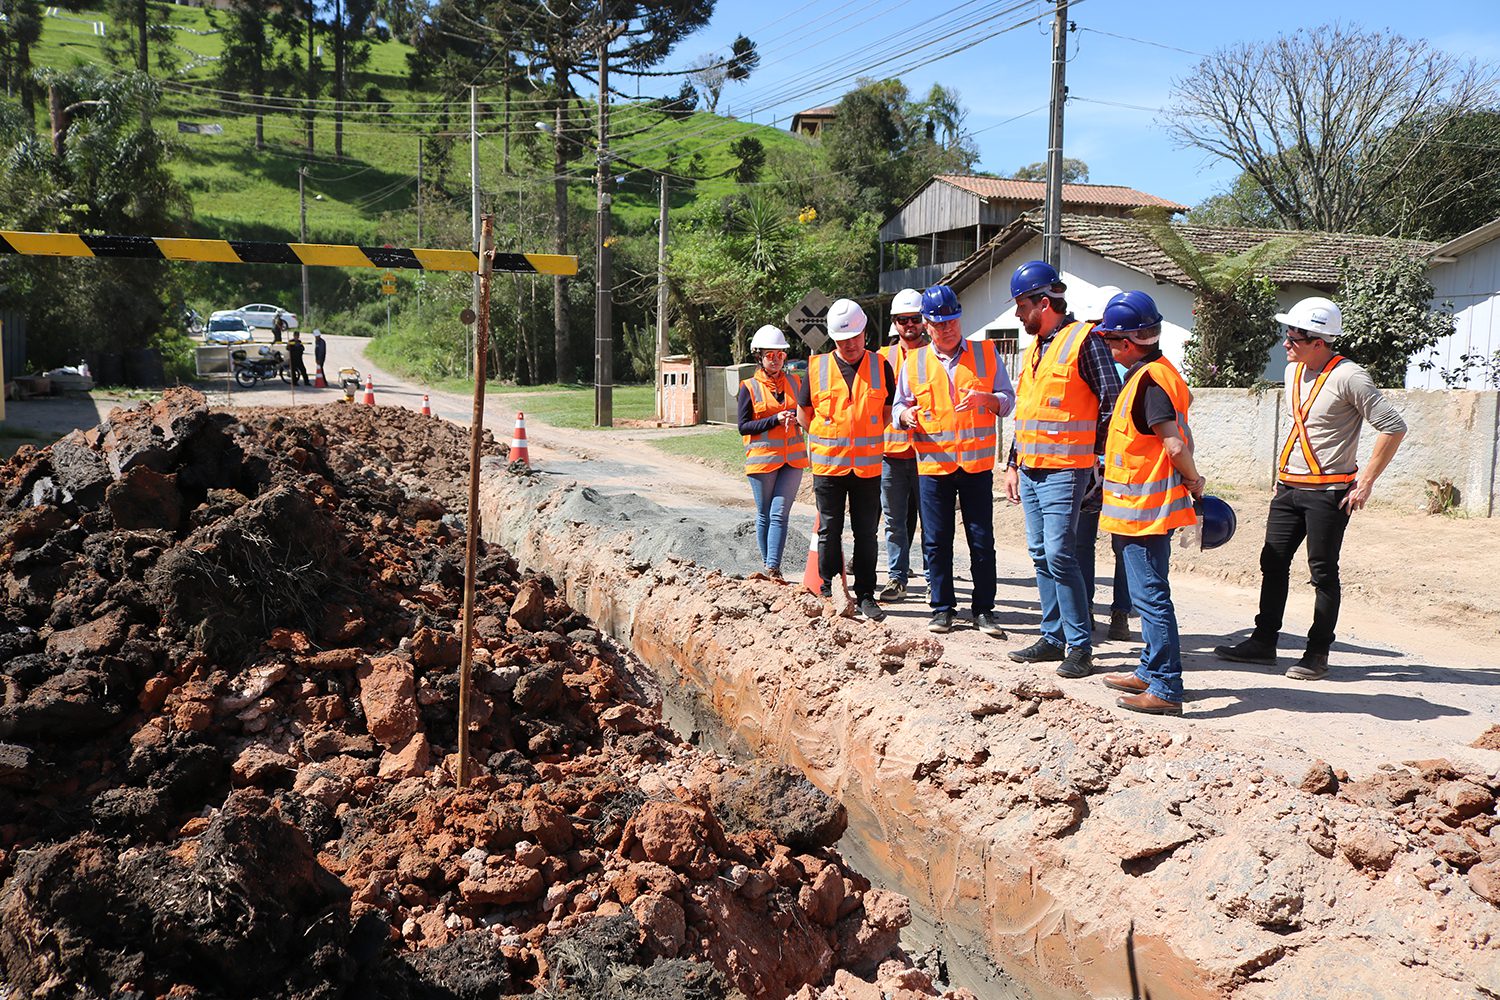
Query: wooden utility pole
(471, 540)
(662, 345)
(1052, 207)
(302, 198)
(604, 355)
(474, 182)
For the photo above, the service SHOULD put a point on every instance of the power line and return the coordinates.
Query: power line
(1144, 41)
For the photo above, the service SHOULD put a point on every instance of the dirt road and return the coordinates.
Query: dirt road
(1416, 670)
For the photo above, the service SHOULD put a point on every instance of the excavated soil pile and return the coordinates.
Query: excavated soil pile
(229, 655)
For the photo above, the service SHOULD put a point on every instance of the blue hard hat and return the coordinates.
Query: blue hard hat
(1218, 521)
(1129, 312)
(1035, 276)
(940, 303)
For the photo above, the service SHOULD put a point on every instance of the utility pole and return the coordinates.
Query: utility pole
(505, 163)
(604, 360)
(302, 198)
(419, 223)
(474, 189)
(1052, 209)
(661, 291)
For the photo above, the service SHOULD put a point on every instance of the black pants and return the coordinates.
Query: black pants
(1314, 515)
(299, 370)
(863, 497)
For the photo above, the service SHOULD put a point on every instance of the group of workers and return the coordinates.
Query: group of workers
(1102, 441)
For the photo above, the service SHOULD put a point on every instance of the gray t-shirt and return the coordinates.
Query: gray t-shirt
(1347, 399)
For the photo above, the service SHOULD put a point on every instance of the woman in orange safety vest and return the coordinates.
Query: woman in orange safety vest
(1150, 482)
(775, 451)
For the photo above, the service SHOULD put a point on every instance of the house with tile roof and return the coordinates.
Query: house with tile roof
(1099, 251)
(952, 215)
(813, 121)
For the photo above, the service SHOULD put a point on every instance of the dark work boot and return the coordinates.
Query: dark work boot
(1119, 625)
(1312, 667)
(1078, 663)
(1252, 650)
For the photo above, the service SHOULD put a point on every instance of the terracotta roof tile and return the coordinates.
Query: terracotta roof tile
(1073, 194)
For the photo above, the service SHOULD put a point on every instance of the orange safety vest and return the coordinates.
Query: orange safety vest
(948, 440)
(845, 435)
(898, 442)
(1143, 492)
(1315, 475)
(770, 450)
(1057, 414)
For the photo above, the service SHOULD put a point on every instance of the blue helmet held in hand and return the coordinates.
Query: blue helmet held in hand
(1035, 276)
(940, 303)
(1219, 521)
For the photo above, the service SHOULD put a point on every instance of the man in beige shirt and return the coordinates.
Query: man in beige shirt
(1318, 483)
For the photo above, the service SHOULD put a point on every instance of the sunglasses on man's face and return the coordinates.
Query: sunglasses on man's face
(1292, 338)
(907, 320)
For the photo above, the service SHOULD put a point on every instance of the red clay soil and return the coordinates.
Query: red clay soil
(229, 652)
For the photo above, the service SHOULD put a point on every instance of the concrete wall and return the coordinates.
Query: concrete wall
(1451, 435)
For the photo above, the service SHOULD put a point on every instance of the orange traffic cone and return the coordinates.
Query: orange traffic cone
(426, 406)
(320, 382)
(369, 399)
(811, 578)
(518, 450)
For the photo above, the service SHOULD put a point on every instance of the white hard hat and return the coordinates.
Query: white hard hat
(1102, 295)
(845, 319)
(769, 338)
(1320, 317)
(908, 300)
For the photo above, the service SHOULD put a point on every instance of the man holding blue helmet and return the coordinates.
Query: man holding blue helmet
(1065, 393)
(1150, 482)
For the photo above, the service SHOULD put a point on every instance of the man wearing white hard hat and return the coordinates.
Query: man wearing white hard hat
(844, 405)
(1319, 483)
(898, 473)
(775, 453)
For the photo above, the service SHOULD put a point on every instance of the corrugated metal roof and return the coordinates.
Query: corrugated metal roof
(1010, 189)
(1315, 261)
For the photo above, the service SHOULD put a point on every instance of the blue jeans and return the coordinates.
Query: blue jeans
(774, 492)
(899, 497)
(1050, 499)
(1146, 558)
(1088, 530)
(974, 493)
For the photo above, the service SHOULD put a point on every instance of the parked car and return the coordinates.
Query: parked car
(260, 315)
(227, 327)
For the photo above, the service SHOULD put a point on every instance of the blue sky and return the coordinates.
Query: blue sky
(806, 44)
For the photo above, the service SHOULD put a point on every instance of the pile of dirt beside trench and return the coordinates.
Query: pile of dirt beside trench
(229, 649)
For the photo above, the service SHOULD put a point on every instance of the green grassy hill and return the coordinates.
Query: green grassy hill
(240, 191)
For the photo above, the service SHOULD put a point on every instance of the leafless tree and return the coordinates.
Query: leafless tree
(1324, 119)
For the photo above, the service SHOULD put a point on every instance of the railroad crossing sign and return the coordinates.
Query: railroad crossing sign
(388, 283)
(809, 319)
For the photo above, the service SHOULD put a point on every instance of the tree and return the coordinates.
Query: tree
(20, 31)
(1388, 316)
(351, 51)
(711, 72)
(1317, 117)
(1073, 171)
(1449, 186)
(1234, 306)
(150, 26)
(1244, 205)
(249, 61)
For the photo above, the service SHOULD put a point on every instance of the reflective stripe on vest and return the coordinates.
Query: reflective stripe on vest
(1057, 414)
(898, 442)
(1143, 492)
(847, 432)
(1315, 476)
(949, 440)
(770, 450)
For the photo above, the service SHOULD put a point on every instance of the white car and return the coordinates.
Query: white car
(260, 315)
(227, 327)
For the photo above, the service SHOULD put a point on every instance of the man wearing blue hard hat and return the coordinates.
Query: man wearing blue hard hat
(951, 394)
(1065, 393)
(1150, 482)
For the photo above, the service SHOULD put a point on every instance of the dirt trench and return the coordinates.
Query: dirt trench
(229, 652)
(1085, 854)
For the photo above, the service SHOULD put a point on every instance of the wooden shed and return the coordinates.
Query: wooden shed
(677, 396)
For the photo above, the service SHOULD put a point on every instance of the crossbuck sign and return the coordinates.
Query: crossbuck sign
(809, 319)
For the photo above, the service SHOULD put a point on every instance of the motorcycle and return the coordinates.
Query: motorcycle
(268, 364)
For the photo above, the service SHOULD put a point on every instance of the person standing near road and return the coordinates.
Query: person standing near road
(294, 351)
(950, 395)
(844, 405)
(1150, 482)
(899, 498)
(1319, 482)
(775, 451)
(278, 327)
(1065, 394)
(320, 350)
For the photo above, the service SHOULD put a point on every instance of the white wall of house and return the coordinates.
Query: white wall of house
(1470, 288)
(988, 306)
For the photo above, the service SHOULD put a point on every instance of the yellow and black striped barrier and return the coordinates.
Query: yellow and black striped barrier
(255, 252)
